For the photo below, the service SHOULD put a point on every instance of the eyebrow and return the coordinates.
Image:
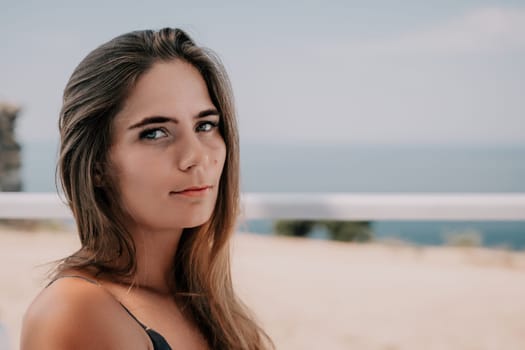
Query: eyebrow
(162, 119)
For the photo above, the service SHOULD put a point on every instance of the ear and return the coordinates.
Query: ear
(99, 175)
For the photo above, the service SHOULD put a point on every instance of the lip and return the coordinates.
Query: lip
(194, 191)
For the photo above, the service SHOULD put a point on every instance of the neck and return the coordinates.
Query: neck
(155, 252)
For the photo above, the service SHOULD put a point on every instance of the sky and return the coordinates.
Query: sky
(303, 72)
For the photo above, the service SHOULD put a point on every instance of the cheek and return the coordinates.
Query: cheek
(134, 177)
(219, 156)
(134, 165)
(137, 188)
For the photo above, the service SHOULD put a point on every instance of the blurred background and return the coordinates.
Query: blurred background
(332, 96)
(339, 96)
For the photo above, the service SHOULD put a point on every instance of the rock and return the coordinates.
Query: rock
(10, 150)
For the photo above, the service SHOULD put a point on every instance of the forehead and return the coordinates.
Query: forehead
(172, 89)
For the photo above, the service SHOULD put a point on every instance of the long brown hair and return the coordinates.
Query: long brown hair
(94, 94)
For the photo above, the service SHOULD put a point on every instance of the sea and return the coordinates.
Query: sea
(362, 169)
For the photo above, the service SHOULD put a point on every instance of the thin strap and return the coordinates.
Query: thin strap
(74, 276)
(133, 316)
(157, 340)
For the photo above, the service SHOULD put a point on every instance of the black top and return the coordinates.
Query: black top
(158, 341)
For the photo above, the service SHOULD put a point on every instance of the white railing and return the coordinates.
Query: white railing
(336, 206)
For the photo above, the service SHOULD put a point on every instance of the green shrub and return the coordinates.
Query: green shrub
(293, 228)
(347, 231)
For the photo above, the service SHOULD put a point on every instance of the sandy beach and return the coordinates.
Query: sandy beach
(312, 294)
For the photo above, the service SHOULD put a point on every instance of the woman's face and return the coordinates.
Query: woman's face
(167, 153)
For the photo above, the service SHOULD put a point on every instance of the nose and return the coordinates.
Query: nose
(192, 153)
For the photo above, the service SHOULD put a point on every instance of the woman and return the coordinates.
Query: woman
(149, 164)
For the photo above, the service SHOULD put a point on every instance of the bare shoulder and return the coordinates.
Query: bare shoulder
(76, 314)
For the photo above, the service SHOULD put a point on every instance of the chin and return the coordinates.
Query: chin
(176, 219)
(192, 222)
